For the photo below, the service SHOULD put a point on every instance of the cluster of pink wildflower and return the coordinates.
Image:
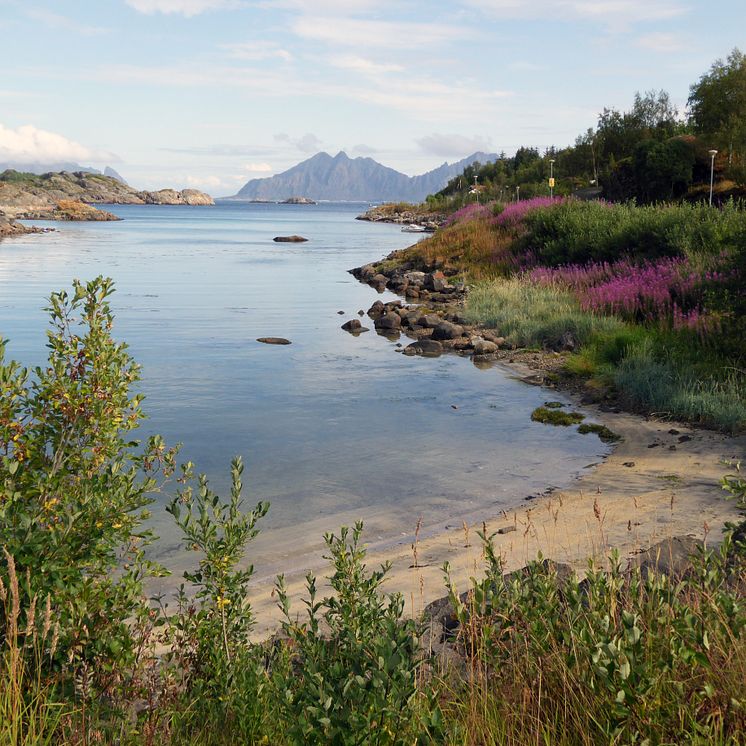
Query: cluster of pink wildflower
(472, 211)
(516, 211)
(695, 320)
(652, 291)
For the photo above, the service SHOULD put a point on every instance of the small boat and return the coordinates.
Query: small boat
(413, 228)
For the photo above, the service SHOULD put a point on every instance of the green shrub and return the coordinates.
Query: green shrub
(616, 658)
(74, 487)
(353, 675)
(222, 677)
(575, 232)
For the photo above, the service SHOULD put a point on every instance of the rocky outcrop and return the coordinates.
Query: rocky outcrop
(67, 209)
(404, 215)
(298, 201)
(25, 193)
(9, 228)
(174, 197)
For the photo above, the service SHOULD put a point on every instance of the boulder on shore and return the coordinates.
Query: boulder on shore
(390, 321)
(448, 330)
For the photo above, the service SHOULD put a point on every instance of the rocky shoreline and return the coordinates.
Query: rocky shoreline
(435, 321)
(28, 196)
(70, 210)
(404, 215)
(10, 228)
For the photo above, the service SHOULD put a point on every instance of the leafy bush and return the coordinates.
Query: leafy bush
(74, 489)
(575, 232)
(221, 674)
(353, 676)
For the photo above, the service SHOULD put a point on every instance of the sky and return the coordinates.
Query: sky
(211, 93)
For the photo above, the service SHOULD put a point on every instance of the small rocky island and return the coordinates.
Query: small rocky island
(297, 201)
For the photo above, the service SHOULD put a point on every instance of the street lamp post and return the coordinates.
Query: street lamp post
(517, 194)
(713, 153)
(551, 178)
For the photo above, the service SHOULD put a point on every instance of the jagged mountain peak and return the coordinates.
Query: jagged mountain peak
(339, 177)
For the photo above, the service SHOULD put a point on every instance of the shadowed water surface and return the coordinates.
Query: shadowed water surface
(332, 427)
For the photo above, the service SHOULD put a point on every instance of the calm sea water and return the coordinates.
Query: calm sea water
(331, 427)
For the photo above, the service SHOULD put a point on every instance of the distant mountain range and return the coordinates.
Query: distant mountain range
(45, 168)
(340, 177)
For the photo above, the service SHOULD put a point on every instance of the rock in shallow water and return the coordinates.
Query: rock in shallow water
(424, 347)
(289, 239)
(354, 327)
(274, 340)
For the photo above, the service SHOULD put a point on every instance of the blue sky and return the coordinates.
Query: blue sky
(211, 93)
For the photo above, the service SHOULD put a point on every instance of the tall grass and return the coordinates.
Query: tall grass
(534, 316)
(472, 247)
(29, 712)
(667, 384)
(617, 658)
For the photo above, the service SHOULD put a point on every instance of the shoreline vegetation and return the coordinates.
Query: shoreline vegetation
(642, 643)
(611, 612)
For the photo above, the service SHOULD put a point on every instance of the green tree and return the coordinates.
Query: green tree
(717, 103)
(663, 170)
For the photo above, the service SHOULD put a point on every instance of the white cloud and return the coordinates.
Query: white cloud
(363, 33)
(57, 21)
(459, 146)
(27, 144)
(621, 12)
(258, 168)
(329, 7)
(661, 42)
(309, 143)
(525, 66)
(363, 65)
(203, 182)
(257, 50)
(363, 149)
(424, 98)
(186, 8)
(306, 144)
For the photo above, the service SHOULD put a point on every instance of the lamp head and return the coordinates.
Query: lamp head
(713, 153)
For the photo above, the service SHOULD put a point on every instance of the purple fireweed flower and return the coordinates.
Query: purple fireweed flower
(516, 211)
(666, 290)
(472, 211)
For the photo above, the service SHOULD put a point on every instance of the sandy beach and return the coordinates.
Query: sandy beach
(662, 480)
